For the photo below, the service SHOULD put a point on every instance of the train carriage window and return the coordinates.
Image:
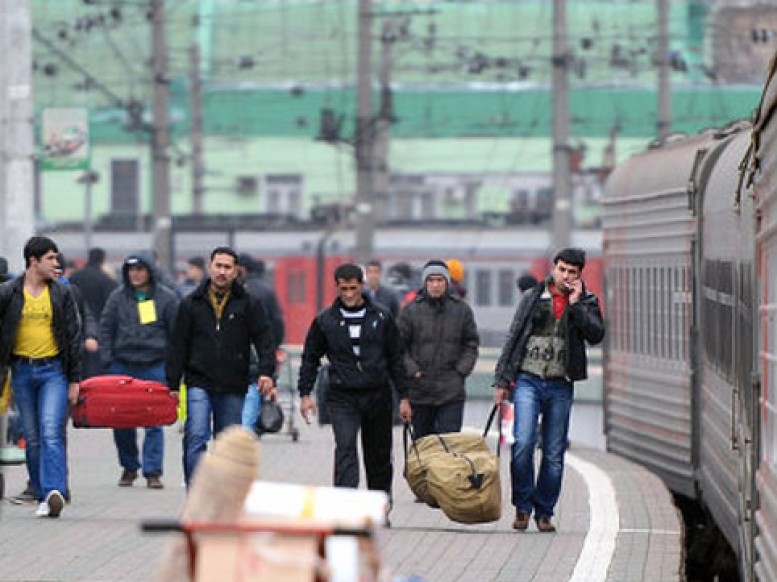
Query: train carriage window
(296, 290)
(641, 311)
(661, 291)
(506, 288)
(615, 288)
(634, 333)
(483, 288)
(652, 311)
(687, 314)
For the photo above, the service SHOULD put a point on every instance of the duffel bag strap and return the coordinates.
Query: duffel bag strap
(408, 439)
(497, 408)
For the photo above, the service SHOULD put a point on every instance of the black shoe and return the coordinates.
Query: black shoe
(127, 478)
(26, 497)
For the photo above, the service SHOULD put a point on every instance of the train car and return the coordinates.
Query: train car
(690, 246)
(762, 174)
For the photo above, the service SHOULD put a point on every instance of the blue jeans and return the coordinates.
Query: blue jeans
(552, 399)
(40, 394)
(126, 439)
(252, 407)
(201, 404)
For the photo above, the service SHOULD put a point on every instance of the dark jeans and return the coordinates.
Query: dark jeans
(368, 411)
(431, 419)
(126, 439)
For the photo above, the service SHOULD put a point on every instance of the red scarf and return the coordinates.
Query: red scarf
(560, 300)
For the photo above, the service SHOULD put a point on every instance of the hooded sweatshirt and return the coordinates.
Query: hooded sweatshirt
(136, 327)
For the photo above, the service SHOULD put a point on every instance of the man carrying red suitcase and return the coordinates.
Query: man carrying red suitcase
(135, 328)
(40, 337)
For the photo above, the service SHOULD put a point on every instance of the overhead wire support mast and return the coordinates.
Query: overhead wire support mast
(160, 140)
(364, 139)
(562, 211)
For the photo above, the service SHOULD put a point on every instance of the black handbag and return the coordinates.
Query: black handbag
(270, 417)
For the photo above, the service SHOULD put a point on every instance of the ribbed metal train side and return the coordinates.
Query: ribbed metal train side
(648, 236)
(726, 392)
(763, 171)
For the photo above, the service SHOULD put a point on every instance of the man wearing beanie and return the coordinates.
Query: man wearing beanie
(441, 347)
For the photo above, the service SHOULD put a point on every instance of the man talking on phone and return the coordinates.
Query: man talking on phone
(544, 355)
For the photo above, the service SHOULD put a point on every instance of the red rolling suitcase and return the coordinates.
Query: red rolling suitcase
(115, 401)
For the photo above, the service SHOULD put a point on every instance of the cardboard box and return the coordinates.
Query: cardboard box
(256, 557)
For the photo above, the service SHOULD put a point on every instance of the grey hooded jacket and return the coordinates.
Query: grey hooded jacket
(122, 336)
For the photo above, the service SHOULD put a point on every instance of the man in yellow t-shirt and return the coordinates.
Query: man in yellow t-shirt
(40, 339)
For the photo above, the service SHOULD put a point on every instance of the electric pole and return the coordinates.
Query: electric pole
(17, 139)
(198, 169)
(664, 123)
(562, 212)
(381, 179)
(160, 140)
(365, 137)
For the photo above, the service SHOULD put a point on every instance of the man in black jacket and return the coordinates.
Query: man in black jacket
(361, 341)
(95, 286)
(544, 355)
(40, 337)
(252, 276)
(135, 329)
(211, 349)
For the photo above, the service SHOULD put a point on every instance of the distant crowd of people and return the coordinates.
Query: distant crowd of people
(404, 349)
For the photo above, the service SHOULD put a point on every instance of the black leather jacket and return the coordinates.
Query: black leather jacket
(585, 324)
(381, 352)
(66, 322)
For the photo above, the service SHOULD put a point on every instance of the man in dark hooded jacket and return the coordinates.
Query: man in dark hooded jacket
(135, 329)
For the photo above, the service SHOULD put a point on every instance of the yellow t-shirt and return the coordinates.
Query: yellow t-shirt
(35, 334)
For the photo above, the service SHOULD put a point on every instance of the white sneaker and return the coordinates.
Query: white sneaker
(56, 502)
(43, 509)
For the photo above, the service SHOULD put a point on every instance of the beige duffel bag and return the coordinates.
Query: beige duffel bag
(456, 472)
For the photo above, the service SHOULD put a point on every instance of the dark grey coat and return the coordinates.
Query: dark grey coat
(441, 341)
(122, 336)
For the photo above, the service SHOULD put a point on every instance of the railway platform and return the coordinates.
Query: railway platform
(616, 521)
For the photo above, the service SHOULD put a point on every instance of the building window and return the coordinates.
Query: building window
(284, 194)
(125, 186)
(296, 289)
(247, 186)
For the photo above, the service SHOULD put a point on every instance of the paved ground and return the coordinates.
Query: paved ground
(616, 522)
